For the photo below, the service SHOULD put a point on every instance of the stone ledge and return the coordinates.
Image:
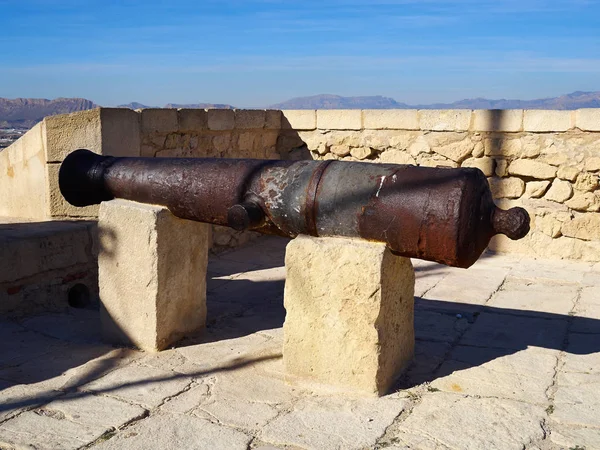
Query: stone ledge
(538, 120)
(221, 119)
(250, 119)
(445, 119)
(299, 119)
(588, 119)
(339, 119)
(504, 120)
(159, 120)
(390, 119)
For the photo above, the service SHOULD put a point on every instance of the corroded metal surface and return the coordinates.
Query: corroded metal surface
(437, 214)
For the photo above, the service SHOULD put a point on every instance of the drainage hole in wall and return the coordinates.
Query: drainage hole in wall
(79, 296)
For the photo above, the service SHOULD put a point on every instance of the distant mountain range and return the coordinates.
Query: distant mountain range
(575, 100)
(26, 112)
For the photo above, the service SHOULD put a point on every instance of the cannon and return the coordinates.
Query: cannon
(436, 214)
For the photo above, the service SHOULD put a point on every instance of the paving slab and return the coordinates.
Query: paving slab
(499, 343)
(176, 432)
(450, 421)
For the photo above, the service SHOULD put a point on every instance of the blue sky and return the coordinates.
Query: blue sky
(259, 52)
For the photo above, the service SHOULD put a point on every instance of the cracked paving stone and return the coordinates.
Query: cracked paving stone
(530, 297)
(459, 285)
(515, 332)
(77, 326)
(68, 422)
(587, 312)
(575, 437)
(142, 385)
(550, 271)
(485, 372)
(577, 399)
(246, 399)
(179, 432)
(333, 423)
(582, 354)
(428, 356)
(17, 398)
(451, 421)
(434, 326)
(187, 401)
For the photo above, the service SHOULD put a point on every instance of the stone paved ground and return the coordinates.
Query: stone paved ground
(508, 356)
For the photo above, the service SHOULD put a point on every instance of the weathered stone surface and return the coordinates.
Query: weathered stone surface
(503, 146)
(331, 423)
(502, 167)
(396, 157)
(588, 119)
(575, 437)
(273, 119)
(533, 169)
(555, 159)
(560, 191)
(246, 119)
(151, 273)
(361, 152)
(485, 164)
(120, 132)
(531, 147)
(340, 150)
(592, 164)
(586, 227)
(348, 323)
(180, 432)
(567, 173)
(507, 187)
(488, 372)
(587, 182)
(66, 132)
(391, 119)
(586, 201)
(547, 120)
(420, 145)
(221, 119)
(299, 119)
(434, 423)
(445, 120)
(577, 399)
(549, 225)
(478, 150)
(528, 297)
(159, 120)
(191, 120)
(536, 189)
(506, 120)
(457, 151)
(145, 386)
(339, 119)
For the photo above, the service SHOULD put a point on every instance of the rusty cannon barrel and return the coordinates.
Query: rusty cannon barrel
(436, 214)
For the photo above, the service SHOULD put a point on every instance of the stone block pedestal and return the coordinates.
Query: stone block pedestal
(349, 314)
(152, 275)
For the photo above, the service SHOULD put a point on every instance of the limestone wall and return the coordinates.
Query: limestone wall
(545, 161)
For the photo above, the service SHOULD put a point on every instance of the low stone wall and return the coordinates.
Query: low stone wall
(545, 161)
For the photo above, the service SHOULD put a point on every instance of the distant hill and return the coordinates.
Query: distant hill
(575, 100)
(26, 112)
(328, 101)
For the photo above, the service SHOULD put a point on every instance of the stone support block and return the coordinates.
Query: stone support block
(390, 119)
(349, 314)
(152, 275)
(503, 120)
(250, 119)
(588, 119)
(221, 119)
(159, 120)
(445, 120)
(547, 120)
(120, 132)
(339, 119)
(299, 119)
(192, 120)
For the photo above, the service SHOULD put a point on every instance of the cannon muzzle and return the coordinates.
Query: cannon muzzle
(436, 214)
